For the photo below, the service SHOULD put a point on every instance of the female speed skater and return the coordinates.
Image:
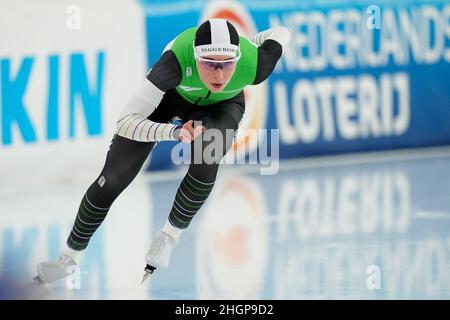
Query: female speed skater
(195, 86)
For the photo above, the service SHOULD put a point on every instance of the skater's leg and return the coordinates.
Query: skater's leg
(123, 162)
(195, 187)
(199, 180)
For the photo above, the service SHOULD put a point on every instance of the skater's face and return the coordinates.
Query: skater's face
(215, 71)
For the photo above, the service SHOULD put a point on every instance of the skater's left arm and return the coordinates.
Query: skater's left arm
(271, 45)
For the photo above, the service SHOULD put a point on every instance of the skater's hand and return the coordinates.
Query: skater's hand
(188, 133)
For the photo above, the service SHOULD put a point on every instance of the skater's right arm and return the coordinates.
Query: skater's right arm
(133, 123)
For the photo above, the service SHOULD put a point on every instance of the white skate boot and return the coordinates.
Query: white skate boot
(51, 271)
(160, 251)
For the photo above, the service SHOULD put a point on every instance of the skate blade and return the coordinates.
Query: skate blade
(147, 272)
(145, 277)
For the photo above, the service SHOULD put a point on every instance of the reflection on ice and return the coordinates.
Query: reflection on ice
(318, 233)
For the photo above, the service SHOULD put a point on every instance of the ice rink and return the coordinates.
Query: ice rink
(375, 226)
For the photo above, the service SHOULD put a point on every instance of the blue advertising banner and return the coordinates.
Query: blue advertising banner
(355, 77)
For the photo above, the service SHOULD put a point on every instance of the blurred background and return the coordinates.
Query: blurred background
(360, 205)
